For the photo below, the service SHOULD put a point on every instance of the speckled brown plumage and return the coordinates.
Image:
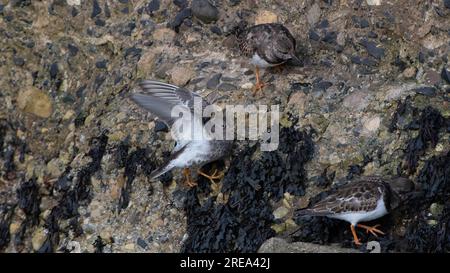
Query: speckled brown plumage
(272, 42)
(364, 199)
(360, 195)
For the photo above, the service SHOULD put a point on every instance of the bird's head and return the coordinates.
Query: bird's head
(285, 49)
(402, 185)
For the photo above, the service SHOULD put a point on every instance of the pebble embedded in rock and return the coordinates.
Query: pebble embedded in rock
(445, 74)
(164, 35)
(313, 35)
(141, 242)
(152, 6)
(372, 124)
(426, 91)
(179, 18)
(101, 64)
(18, 61)
(216, 30)
(447, 3)
(373, 2)
(180, 3)
(280, 212)
(265, 17)
(96, 9)
(313, 14)
(100, 22)
(34, 101)
(180, 75)
(214, 81)
(205, 11)
(373, 49)
(73, 50)
(38, 239)
(226, 87)
(54, 70)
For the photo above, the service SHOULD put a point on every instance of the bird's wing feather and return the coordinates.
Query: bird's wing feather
(159, 98)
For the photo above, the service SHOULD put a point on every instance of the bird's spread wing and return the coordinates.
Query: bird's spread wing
(159, 98)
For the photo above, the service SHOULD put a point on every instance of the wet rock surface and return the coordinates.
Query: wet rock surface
(371, 97)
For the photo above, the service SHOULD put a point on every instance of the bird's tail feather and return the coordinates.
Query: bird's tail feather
(161, 170)
(310, 212)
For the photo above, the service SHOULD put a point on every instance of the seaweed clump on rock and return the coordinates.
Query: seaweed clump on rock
(423, 235)
(243, 222)
(72, 195)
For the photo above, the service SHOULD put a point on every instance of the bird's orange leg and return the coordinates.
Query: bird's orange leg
(355, 237)
(213, 176)
(189, 182)
(259, 85)
(372, 230)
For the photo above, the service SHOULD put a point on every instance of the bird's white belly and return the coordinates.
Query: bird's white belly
(260, 62)
(363, 216)
(194, 151)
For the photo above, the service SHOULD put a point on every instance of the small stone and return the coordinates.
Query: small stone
(141, 242)
(432, 77)
(265, 17)
(226, 87)
(313, 14)
(101, 64)
(73, 50)
(313, 35)
(180, 75)
(436, 209)
(164, 35)
(180, 3)
(409, 72)
(18, 61)
(322, 86)
(38, 239)
(179, 18)
(54, 70)
(280, 212)
(447, 3)
(428, 91)
(96, 9)
(373, 2)
(247, 86)
(55, 167)
(129, 247)
(14, 227)
(214, 81)
(100, 22)
(152, 6)
(373, 49)
(204, 11)
(445, 74)
(372, 124)
(216, 30)
(73, 2)
(34, 101)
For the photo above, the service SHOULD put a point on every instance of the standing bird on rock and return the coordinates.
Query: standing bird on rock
(267, 45)
(363, 200)
(192, 149)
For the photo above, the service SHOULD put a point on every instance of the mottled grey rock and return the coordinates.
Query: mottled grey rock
(214, 81)
(226, 87)
(278, 245)
(205, 11)
(313, 14)
(373, 49)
